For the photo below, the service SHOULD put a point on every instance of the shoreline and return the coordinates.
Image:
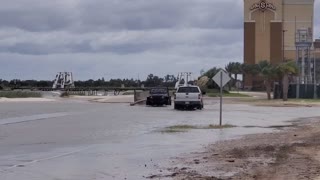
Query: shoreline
(292, 153)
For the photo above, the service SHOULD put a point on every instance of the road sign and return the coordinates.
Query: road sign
(221, 78)
(238, 84)
(225, 78)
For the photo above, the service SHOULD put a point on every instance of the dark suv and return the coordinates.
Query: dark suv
(159, 96)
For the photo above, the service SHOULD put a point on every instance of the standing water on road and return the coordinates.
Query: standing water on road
(78, 140)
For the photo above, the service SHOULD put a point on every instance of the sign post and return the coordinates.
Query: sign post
(238, 85)
(221, 94)
(221, 79)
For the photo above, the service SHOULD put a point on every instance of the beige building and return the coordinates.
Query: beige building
(270, 30)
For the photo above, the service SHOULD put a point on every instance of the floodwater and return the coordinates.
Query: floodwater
(78, 140)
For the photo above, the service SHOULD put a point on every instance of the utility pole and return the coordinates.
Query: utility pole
(314, 77)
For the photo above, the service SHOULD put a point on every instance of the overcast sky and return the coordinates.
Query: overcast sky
(119, 38)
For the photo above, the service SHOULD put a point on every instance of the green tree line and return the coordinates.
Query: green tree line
(269, 73)
(150, 81)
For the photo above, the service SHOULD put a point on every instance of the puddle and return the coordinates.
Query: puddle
(281, 126)
(271, 127)
(185, 128)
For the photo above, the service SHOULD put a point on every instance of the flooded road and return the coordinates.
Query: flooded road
(78, 140)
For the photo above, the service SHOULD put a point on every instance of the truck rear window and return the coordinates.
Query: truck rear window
(158, 91)
(188, 90)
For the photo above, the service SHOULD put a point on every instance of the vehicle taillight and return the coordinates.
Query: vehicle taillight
(199, 96)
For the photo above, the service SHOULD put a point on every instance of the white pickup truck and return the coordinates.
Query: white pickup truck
(188, 97)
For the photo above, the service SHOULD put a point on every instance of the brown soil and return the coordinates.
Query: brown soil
(292, 154)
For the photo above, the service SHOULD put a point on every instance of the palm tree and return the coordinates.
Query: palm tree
(237, 70)
(230, 69)
(285, 70)
(233, 68)
(250, 69)
(211, 72)
(268, 73)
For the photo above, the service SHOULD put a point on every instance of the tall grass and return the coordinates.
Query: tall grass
(19, 94)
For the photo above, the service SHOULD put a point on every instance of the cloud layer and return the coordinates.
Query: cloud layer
(118, 38)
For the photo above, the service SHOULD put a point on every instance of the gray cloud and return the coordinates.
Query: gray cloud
(155, 14)
(101, 15)
(121, 42)
(36, 15)
(116, 26)
(119, 38)
(85, 66)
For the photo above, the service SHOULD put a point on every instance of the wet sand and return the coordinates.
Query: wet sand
(293, 153)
